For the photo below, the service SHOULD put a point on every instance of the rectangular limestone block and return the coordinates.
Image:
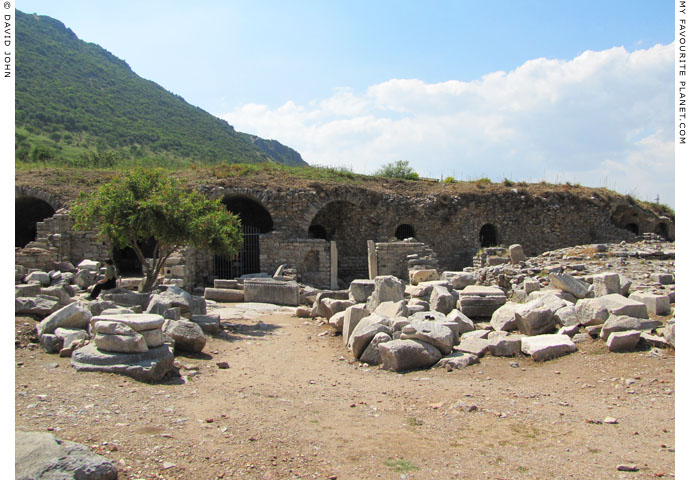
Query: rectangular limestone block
(224, 283)
(271, 291)
(656, 304)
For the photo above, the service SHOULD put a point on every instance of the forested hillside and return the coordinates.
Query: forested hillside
(77, 104)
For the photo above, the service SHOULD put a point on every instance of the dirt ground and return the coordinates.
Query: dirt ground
(293, 404)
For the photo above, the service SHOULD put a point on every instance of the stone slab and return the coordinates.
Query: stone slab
(150, 366)
(228, 295)
(136, 321)
(271, 291)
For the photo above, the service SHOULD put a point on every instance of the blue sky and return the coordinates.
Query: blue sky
(528, 90)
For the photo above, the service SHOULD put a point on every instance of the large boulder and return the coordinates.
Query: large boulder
(670, 333)
(546, 347)
(353, 315)
(41, 456)
(442, 300)
(503, 319)
(459, 280)
(606, 284)
(532, 319)
(392, 309)
(480, 301)
(62, 292)
(430, 332)
(505, 346)
(150, 366)
(621, 323)
(365, 331)
(619, 305)
(39, 277)
(126, 298)
(473, 344)
(132, 342)
(516, 253)
(464, 322)
(173, 296)
(623, 341)
(423, 275)
(387, 289)
(457, 360)
(404, 355)
(590, 311)
(656, 304)
(84, 278)
(570, 284)
(331, 306)
(187, 335)
(566, 316)
(371, 355)
(39, 306)
(360, 290)
(74, 315)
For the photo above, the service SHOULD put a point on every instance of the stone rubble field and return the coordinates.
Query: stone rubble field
(290, 392)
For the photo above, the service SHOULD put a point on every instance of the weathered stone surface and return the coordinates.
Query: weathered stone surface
(459, 280)
(423, 275)
(392, 309)
(480, 301)
(536, 295)
(116, 311)
(606, 284)
(566, 316)
(360, 290)
(619, 305)
(546, 347)
(84, 278)
(198, 305)
(353, 315)
(74, 315)
(124, 297)
(530, 285)
(653, 341)
(27, 290)
(534, 320)
(571, 330)
(121, 343)
(172, 297)
(39, 277)
(474, 345)
(91, 265)
(150, 366)
(516, 253)
(620, 323)
(61, 292)
(431, 332)
(427, 315)
(464, 322)
(41, 456)
(504, 317)
(337, 321)
(404, 355)
(225, 283)
(227, 295)
(670, 333)
(271, 291)
(331, 306)
(50, 342)
(442, 300)
(591, 312)
(111, 328)
(210, 324)
(371, 355)
(569, 284)
(457, 360)
(39, 306)
(476, 334)
(188, 335)
(365, 330)
(505, 346)
(136, 321)
(335, 294)
(154, 338)
(623, 341)
(71, 337)
(662, 278)
(656, 304)
(172, 313)
(387, 289)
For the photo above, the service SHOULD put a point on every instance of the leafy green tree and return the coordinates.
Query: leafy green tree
(399, 169)
(148, 204)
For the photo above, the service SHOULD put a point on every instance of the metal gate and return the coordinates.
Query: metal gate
(245, 261)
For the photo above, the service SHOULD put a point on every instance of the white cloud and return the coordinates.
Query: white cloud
(601, 119)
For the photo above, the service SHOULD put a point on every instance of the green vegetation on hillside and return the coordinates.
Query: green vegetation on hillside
(77, 104)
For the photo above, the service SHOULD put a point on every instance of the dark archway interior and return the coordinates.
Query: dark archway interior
(250, 212)
(404, 231)
(318, 231)
(488, 236)
(126, 260)
(662, 230)
(27, 212)
(633, 227)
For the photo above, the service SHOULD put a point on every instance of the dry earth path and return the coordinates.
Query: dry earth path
(293, 404)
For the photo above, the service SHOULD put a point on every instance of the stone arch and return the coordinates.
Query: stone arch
(256, 220)
(404, 230)
(488, 235)
(318, 231)
(28, 211)
(661, 229)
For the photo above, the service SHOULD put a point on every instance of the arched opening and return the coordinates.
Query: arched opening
(342, 221)
(488, 236)
(318, 231)
(404, 231)
(27, 212)
(633, 227)
(662, 230)
(255, 221)
(126, 260)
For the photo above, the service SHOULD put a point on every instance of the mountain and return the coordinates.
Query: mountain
(77, 104)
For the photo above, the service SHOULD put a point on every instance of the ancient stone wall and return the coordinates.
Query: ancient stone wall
(304, 220)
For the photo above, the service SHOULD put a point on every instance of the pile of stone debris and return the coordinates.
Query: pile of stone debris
(541, 307)
(123, 331)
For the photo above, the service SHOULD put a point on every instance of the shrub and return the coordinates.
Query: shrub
(399, 169)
